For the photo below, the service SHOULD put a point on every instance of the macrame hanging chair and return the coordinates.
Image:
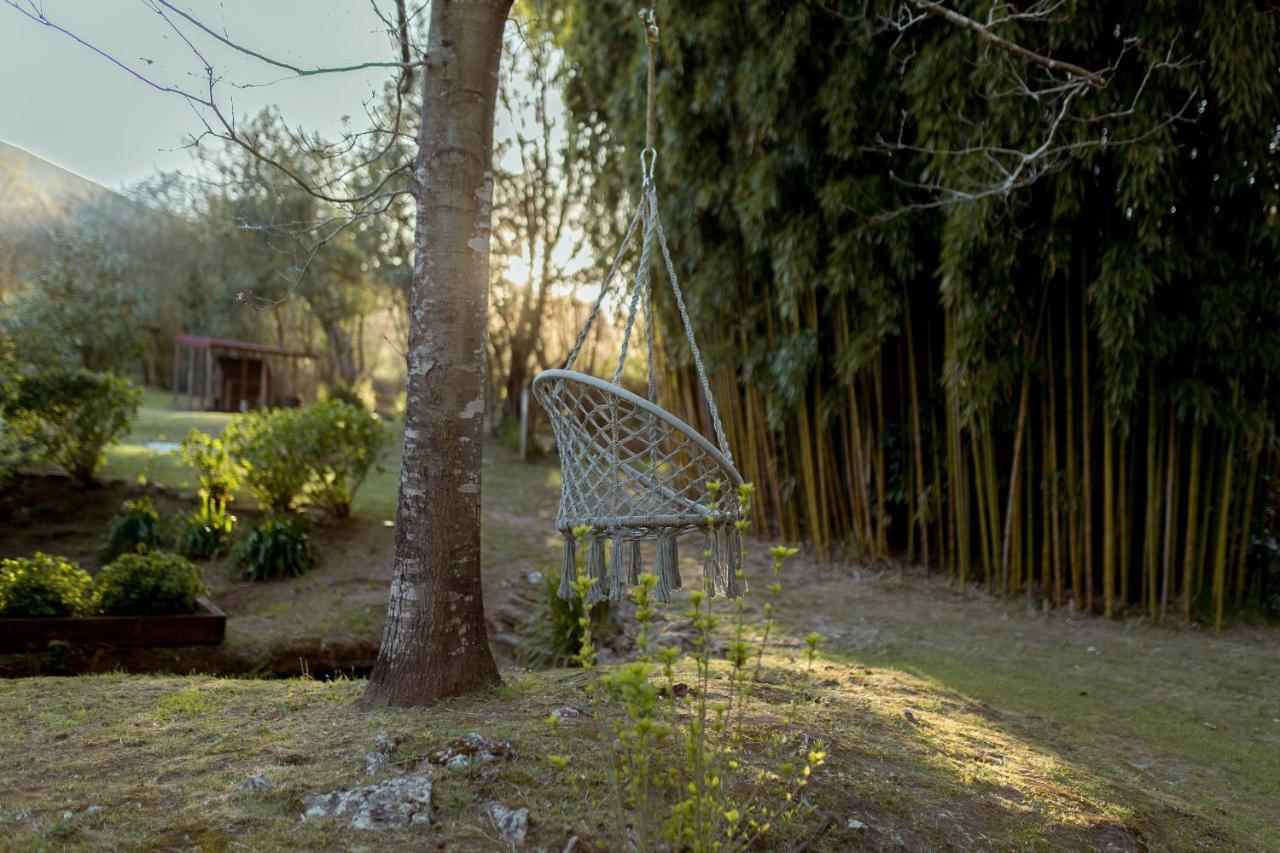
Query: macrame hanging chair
(633, 472)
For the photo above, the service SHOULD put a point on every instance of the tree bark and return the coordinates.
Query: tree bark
(434, 644)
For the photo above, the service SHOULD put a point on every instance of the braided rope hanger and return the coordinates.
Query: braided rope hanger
(632, 471)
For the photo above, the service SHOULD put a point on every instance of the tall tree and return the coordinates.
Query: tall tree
(434, 643)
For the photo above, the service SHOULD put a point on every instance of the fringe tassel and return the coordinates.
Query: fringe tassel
(736, 582)
(673, 563)
(633, 562)
(568, 568)
(666, 568)
(596, 570)
(709, 562)
(617, 572)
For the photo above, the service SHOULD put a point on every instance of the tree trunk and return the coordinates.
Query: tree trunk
(434, 644)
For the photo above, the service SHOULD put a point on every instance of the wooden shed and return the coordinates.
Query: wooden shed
(223, 375)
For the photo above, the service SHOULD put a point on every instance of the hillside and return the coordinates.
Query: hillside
(39, 197)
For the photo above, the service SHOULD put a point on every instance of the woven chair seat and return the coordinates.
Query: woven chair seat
(631, 468)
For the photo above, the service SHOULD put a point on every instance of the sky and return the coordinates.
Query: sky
(64, 103)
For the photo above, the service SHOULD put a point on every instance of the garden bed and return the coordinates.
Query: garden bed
(207, 626)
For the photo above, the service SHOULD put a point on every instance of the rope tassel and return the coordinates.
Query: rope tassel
(596, 570)
(667, 566)
(710, 561)
(568, 568)
(617, 572)
(735, 582)
(633, 562)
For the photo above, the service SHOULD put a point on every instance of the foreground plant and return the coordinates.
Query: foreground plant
(679, 772)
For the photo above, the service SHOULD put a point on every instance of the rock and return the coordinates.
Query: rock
(855, 824)
(534, 577)
(474, 746)
(459, 763)
(384, 743)
(512, 824)
(392, 804)
(375, 761)
(67, 815)
(94, 810)
(566, 711)
(257, 782)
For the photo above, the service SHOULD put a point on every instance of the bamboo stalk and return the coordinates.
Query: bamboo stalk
(1189, 548)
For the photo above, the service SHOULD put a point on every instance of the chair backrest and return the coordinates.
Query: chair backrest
(628, 465)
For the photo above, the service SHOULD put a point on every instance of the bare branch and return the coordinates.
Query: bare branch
(985, 32)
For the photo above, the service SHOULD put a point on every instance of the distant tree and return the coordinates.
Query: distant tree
(537, 216)
(82, 310)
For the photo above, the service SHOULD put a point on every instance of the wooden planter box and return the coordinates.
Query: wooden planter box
(208, 625)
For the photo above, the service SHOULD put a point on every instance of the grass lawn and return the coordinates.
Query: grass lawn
(952, 719)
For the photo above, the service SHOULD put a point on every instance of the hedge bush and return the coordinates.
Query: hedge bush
(71, 416)
(321, 453)
(156, 582)
(44, 585)
(136, 527)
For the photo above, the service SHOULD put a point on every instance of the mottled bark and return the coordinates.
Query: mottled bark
(434, 644)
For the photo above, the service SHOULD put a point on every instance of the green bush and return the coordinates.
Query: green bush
(136, 527)
(348, 439)
(322, 452)
(278, 547)
(215, 469)
(274, 450)
(207, 531)
(155, 582)
(44, 586)
(71, 416)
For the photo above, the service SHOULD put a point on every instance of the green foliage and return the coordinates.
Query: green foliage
(135, 528)
(206, 532)
(44, 585)
(81, 311)
(346, 442)
(277, 547)
(322, 452)
(154, 582)
(352, 396)
(71, 416)
(215, 469)
(884, 349)
(707, 798)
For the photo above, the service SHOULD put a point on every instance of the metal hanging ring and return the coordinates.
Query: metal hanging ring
(648, 157)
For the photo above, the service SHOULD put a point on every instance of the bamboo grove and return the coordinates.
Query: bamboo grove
(1066, 391)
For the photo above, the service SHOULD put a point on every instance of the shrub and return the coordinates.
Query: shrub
(155, 582)
(207, 531)
(136, 527)
(71, 416)
(278, 547)
(348, 440)
(275, 450)
(44, 585)
(322, 452)
(213, 464)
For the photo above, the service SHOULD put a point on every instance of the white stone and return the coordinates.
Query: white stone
(393, 804)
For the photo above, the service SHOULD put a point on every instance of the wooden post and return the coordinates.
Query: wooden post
(262, 383)
(191, 376)
(207, 399)
(177, 357)
(524, 423)
(243, 404)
